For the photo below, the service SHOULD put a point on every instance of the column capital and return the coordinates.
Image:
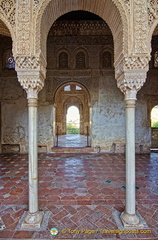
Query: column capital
(31, 71)
(31, 83)
(130, 73)
(130, 83)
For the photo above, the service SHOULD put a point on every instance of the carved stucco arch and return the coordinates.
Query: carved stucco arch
(115, 17)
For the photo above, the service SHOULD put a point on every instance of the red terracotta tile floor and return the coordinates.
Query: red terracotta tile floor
(81, 191)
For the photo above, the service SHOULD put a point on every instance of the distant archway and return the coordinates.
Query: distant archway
(68, 95)
(73, 120)
(72, 94)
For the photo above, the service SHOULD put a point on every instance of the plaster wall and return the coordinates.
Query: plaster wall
(107, 117)
(107, 103)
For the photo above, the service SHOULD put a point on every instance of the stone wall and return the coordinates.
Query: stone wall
(106, 100)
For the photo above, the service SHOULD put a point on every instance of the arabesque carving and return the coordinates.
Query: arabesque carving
(131, 81)
(23, 45)
(32, 83)
(7, 10)
(31, 73)
(132, 63)
(27, 62)
(137, 62)
(98, 27)
(152, 11)
(140, 26)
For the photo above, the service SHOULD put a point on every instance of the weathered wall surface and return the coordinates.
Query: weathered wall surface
(108, 116)
(13, 115)
(107, 101)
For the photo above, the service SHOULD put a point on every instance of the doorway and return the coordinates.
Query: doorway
(73, 120)
(72, 125)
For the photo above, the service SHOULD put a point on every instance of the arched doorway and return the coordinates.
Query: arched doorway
(154, 127)
(73, 120)
(75, 96)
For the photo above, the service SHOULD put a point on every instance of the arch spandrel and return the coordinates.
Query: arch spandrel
(7, 18)
(115, 17)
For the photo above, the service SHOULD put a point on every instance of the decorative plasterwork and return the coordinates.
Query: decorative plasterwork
(7, 10)
(152, 11)
(61, 28)
(127, 4)
(131, 81)
(31, 73)
(40, 7)
(132, 63)
(27, 62)
(31, 83)
(23, 28)
(140, 26)
(136, 62)
(131, 73)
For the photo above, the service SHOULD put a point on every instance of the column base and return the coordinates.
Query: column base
(33, 220)
(130, 220)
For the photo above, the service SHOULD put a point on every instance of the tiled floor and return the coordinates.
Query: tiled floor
(81, 191)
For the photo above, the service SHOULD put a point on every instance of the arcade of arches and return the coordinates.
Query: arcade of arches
(84, 55)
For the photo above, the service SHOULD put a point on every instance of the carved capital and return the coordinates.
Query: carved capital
(25, 63)
(32, 83)
(31, 73)
(131, 82)
(132, 63)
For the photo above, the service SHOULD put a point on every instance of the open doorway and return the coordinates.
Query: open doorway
(72, 103)
(73, 120)
(154, 128)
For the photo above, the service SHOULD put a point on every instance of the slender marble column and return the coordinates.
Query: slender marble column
(33, 166)
(129, 216)
(34, 216)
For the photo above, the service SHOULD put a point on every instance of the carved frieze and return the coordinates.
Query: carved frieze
(137, 62)
(27, 62)
(82, 40)
(88, 27)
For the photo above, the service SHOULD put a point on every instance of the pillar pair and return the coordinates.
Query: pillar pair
(128, 217)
